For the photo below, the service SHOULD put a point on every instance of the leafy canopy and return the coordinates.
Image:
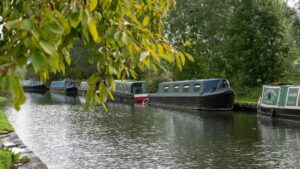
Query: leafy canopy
(124, 35)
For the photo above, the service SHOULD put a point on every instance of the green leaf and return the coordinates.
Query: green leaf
(2, 99)
(47, 47)
(125, 38)
(187, 43)
(146, 21)
(38, 60)
(133, 73)
(93, 28)
(11, 24)
(103, 93)
(182, 57)
(92, 4)
(110, 94)
(75, 18)
(178, 62)
(190, 57)
(26, 24)
(68, 59)
(104, 106)
(91, 90)
(144, 55)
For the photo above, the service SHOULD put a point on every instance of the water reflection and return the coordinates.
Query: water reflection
(64, 136)
(280, 143)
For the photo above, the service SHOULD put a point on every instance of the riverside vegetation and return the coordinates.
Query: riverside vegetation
(248, 42)
(5, 155)
(8, 159)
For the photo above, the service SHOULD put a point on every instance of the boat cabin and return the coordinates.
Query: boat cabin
(83, 85)
(131, 87)
(62, 84)
(286, 96)
(194, 86)
(31, 83)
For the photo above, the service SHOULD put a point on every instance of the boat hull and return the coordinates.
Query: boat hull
(284, 113)
(70, 91)
(35, 89)
(218, 101)
(81, 92)
(131, 98)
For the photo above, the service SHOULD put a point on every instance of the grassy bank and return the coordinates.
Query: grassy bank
(5, 155)
(248, 96)
(5, 159)
(4, 124)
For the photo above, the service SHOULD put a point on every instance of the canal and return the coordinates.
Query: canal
(65, 137)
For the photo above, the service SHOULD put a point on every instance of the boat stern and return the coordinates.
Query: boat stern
(142, 99)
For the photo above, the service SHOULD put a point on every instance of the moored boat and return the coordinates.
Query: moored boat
(206, 94)
(131, 91)
(82, 88)
(66, 87)
(280, 101)
(34, 86)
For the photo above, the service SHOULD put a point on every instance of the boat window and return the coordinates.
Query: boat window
(269, 96)
(137, 90)
(224, 84)
(176, 88)
(185, 88)
(210, 85)
(166, 88)
(196, 87)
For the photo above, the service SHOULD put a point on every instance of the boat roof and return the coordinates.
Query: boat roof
(192, 81)
(279, 84)
(129, 81)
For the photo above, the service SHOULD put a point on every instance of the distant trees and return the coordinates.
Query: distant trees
(203, 23)
(258, 47)
(250, 42)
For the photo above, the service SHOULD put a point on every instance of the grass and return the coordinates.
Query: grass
(4, 124)
(248, 96)
(5, 155)
(5, 159)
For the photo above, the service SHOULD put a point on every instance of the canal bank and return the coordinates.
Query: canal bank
(245, 107)
(11, 144)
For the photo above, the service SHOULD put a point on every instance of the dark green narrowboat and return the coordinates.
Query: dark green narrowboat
(34, 86)
(206, 94)
(130, 91)
(280, 101)
(82, 88)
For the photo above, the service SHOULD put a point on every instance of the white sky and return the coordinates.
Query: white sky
(292, 3)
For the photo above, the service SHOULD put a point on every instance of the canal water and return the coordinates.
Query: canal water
(65, 137)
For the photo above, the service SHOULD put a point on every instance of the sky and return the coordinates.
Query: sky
(292, 3)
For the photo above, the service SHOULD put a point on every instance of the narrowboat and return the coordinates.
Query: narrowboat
(33, 86)
(280, 100)
(66, 87)
(205, 94)
(82, 88)
(131, 91)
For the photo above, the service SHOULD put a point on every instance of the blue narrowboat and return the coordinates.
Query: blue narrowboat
(66, 87)
(206, 94)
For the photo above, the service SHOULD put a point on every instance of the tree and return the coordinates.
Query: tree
(258, 47)
(122, 35)
(204, 24)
